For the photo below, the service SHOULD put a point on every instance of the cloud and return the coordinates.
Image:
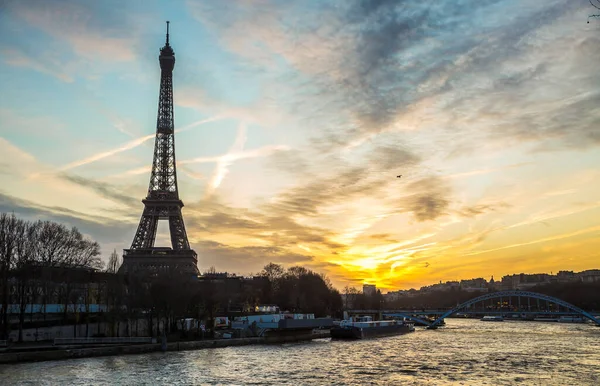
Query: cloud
(374, 61)
(102, 229)
(17, 58)
(212, 218)
(291, 162)
(266, 111)
(428, 206)
(477, 172)
(595, 229)
(251, 258)
(49, 189)
(393, 157)
(104, 189)
(428, 198)
(342, 182)
(445, 80)
(127, 126)
(20, 122)
(92, 31)
(15, 160)
(475, 210)
(310, 198)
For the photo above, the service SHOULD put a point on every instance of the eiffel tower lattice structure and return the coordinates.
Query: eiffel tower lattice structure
(162, 201)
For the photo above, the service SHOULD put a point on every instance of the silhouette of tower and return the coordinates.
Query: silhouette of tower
(162, 201)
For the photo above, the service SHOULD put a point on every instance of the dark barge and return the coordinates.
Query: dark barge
(364, 328)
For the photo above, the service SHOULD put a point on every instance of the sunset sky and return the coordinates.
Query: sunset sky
(294, 119)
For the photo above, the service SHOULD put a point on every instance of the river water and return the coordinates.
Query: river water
(464, 352)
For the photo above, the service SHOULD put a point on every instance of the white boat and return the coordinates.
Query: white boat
(492, 318)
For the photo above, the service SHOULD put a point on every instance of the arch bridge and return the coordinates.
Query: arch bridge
(421, 317)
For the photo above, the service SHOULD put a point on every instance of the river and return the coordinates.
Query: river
(465, 352)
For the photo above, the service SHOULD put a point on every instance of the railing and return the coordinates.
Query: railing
(122, 340)
(159, 251)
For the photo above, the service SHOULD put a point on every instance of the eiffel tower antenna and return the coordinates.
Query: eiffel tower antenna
(167, 32)
(162, 201)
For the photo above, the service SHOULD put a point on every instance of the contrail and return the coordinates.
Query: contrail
(198, 123)
(232, 157)
(129, 145)
(227, 158)
(96, 157)
(224, 162)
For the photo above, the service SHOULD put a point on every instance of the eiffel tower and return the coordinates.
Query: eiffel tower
(162, 201)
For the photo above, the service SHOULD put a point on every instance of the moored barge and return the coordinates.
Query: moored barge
(364, 327)
(492, 318)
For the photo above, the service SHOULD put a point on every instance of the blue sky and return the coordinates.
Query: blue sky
(295, 118)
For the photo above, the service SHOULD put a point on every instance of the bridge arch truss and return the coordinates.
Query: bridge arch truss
(504, 294)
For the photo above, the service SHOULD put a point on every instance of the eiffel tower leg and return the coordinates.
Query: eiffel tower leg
(146, 232)
(179, 238)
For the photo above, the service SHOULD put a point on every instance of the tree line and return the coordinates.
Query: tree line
(299, 289)
(25, 248)
(173, 296)
(358, 300)
(44, 262)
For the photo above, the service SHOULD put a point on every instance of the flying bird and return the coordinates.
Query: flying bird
(399, 176)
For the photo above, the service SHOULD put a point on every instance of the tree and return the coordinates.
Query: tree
(79, 253)
(25, 253)
(274, 274)
(82, 252)
(115, 299)
(8, 228)
(113, 262)
(351, 296)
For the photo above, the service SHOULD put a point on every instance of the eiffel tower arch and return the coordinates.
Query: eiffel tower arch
(162, 201)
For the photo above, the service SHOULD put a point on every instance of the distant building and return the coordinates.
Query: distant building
(492, 284)
(369, 289)
(396, 295)
(474, 285)
(524, 281)
(440, 287)
(565, 276)
(589, 276)
(521, 281)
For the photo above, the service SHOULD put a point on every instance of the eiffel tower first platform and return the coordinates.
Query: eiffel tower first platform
(162, 202)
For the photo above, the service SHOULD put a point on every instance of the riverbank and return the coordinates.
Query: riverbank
(87, 352)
